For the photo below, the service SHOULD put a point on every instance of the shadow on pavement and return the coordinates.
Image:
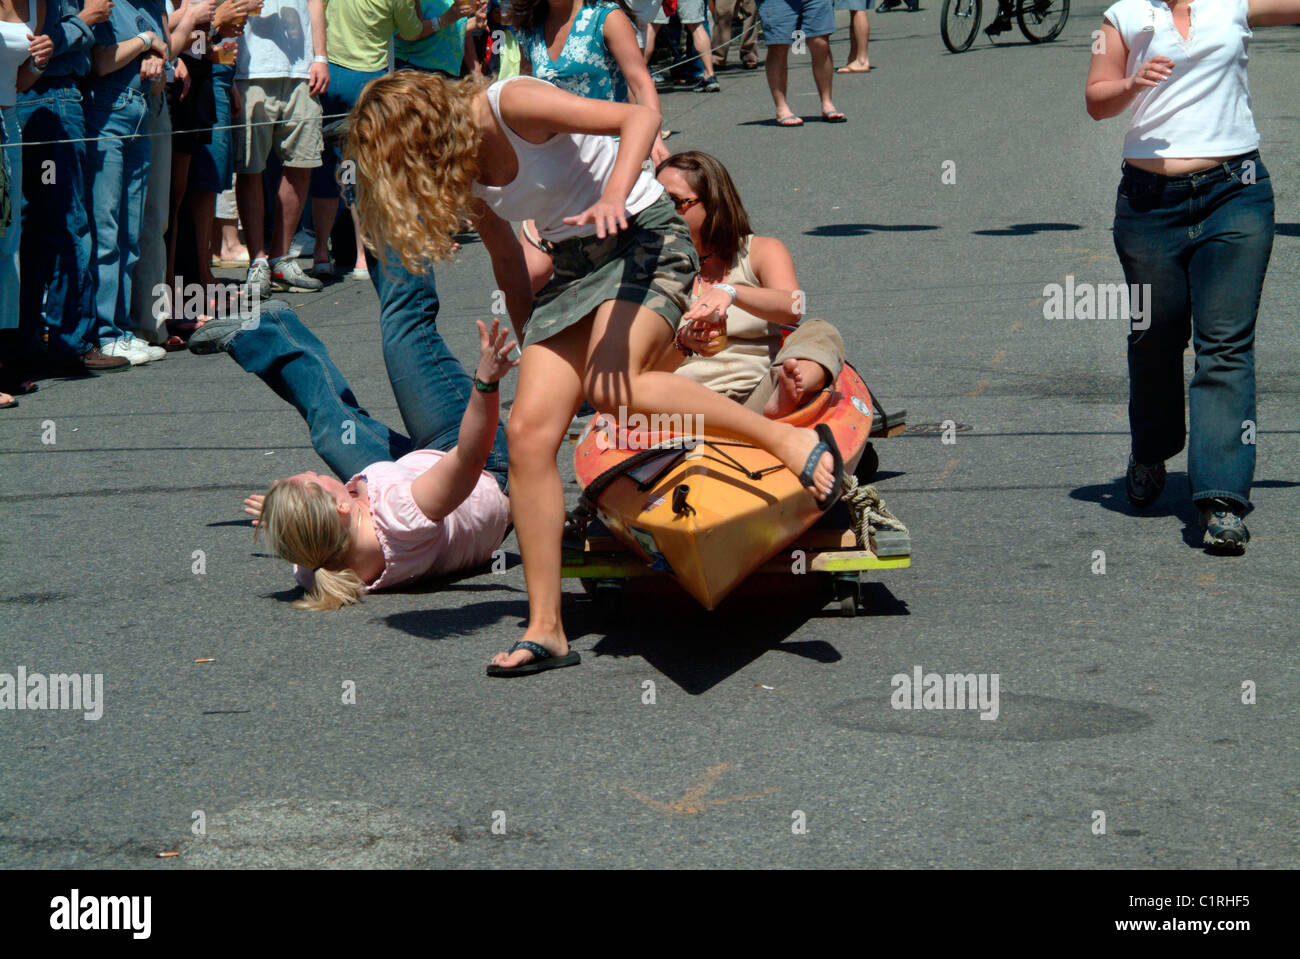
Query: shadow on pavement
(866, 229)
(1029, 229)
(658, 622)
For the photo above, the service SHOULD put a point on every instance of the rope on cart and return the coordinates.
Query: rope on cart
(868, 510)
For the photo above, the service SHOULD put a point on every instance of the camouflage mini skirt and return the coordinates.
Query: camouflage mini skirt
(653, 262)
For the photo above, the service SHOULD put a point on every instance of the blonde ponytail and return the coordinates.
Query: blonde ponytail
(301, 524)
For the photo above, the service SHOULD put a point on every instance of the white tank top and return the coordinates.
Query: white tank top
(13, 51)
(1203, 109)
(558, 178)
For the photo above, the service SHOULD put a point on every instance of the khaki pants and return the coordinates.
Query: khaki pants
(723, 13)
(814, 340)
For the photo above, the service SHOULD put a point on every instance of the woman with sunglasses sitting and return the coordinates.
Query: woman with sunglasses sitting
(769, 361)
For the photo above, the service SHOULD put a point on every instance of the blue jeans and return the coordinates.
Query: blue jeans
(57, 289)
(431, 387)
(117, 173)
(1202, 241)
(11, 155)
(212, 166)
(341, 96)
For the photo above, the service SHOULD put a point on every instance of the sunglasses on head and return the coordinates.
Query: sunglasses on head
(684, 203)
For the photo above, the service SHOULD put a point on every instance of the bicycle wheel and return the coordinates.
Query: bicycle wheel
(1042, 20)
(958, 23)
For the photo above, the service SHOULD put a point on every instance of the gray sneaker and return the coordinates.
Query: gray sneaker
(1144, 483)
(1224, 530)
(287, 275)
(259, 277)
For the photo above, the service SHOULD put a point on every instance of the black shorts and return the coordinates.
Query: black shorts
(193, 117)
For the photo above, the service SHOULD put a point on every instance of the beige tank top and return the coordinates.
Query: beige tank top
(752, 344)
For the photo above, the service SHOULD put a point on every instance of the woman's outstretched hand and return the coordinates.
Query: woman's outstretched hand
(608, 216)
(494, 353)
(253, 507)
(713, 300)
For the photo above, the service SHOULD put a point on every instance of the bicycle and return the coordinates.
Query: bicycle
(1040, 21)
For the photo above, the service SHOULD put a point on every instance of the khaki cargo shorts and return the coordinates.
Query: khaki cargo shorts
(279, 112)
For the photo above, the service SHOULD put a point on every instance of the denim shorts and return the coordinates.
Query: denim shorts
(854, 4)
(781, 18)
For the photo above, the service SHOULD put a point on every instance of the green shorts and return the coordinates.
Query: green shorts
(653, 262)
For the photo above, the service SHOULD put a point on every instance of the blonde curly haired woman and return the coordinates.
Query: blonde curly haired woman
(427, 151)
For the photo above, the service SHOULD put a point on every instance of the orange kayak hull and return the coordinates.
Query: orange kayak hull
(711, 514)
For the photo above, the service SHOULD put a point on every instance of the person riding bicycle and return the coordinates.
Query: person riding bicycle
(1002, 22)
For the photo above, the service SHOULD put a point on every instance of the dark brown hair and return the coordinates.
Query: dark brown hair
(726, 224)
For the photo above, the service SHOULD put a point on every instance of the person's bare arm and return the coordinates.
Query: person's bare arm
(113, 57)
(318, 74)
(445, 485)
(1109, 91)
(508, 264)
(1273, 13)
(620, 39)
(537, 111)
(777, 299)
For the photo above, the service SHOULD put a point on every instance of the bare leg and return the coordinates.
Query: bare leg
(700, 36)
(859, 36)
(361, 247)
(651, 30)
(180, 179)
(203, 209)
(777, 69)
(549, 393)
(248, 195)
(623, 368)
(292, 196)
(823, 70)
(231, 248)
(323, 212)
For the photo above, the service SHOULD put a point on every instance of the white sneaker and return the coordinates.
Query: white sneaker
(304, 244)
(144, 348)
(126, 348)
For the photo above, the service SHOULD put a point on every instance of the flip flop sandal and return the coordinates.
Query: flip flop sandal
(783, 121)
(835, 117)
(174, 344)
(827, 445)
(545, 660)
(10, 405)
(749, 64)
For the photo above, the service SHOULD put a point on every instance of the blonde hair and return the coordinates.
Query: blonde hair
(300, 521)
(414, 143)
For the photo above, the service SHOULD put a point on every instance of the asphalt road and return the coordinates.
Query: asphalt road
(1120, 692)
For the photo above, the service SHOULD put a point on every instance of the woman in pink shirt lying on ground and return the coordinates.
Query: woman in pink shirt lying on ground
(429, 513)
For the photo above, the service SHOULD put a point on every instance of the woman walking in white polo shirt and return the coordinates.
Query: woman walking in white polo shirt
(1194, 228)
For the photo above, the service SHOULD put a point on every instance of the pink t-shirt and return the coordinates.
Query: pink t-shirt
(415, 545)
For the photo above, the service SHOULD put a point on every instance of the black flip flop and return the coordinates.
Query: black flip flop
(827, 445)
(545, 660)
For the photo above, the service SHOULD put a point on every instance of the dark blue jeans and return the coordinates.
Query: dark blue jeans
(431, 386)
(341, 96)
(1202, 241)
(57, 289)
